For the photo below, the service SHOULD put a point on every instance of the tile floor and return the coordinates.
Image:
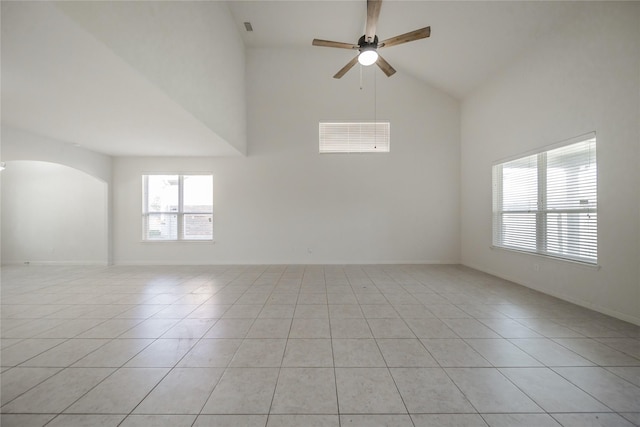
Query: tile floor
(306, 346)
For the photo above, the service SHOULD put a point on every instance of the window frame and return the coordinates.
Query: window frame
(355, 146)
(542, 210)
(180, 213)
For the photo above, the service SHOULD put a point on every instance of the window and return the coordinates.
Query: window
(367, 137)
(546, 202)
(177, 207)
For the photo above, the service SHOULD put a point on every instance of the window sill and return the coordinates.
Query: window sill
(550, 258)
(211, 242)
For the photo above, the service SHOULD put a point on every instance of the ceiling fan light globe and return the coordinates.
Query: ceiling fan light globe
(368, 57)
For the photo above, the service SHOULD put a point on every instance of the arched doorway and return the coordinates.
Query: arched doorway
(53, 214)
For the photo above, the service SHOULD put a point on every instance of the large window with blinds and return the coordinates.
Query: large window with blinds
(355, 137)
(177, 207)
(547, 202)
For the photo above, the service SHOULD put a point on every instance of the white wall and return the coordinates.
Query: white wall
(18, 144)
(94, 174)
(53, 214)
(202, 65)
(285, 199)
(585, 79)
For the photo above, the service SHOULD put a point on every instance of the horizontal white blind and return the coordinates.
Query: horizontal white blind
(363, 137)
(547, 202)
(571, 201)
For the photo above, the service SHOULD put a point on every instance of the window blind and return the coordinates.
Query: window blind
(547, 202)
(361, 137)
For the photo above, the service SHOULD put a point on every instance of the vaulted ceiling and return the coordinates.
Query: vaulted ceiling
(107, 75)
(470, 40)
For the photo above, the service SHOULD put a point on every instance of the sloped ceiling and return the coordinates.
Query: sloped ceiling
(470, 40)
(60, 81)
(167, 78)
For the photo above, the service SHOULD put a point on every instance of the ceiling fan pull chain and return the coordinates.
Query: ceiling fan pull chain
(360, 76)
(375, 110)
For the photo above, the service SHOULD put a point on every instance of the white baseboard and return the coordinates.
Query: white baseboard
(394, 262)
(66, 263)
(600, 309)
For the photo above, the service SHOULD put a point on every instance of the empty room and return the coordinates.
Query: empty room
(320, 213)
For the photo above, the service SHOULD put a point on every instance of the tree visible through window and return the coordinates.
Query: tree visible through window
(547, 202)
(177, 207)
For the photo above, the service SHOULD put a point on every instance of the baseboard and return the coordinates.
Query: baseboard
(394, 262)
(581, 303)
(65, 263)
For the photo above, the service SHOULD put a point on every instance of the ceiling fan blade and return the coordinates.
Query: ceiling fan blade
(329, 43)
(385, 66)
(422, 33)
(346, 68)
(373, 12)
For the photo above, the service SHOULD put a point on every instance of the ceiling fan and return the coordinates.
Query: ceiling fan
(368, 44)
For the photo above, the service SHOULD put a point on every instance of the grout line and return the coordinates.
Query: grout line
(442, 281)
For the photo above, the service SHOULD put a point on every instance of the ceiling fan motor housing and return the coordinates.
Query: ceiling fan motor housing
(364, 45)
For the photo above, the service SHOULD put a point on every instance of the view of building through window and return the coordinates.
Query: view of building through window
(177, 207)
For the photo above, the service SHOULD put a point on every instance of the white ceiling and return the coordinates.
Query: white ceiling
(470, 40)
(59, 81)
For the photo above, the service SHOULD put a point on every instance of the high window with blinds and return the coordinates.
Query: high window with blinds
(362, 137)
(177, 207)
(547, 202)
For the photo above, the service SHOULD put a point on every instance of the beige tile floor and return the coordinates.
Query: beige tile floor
(375, 345)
